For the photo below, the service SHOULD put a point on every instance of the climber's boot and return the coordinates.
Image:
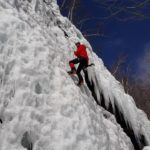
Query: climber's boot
(72, 72)
(80, 82)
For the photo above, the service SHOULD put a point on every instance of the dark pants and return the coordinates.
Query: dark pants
(82, 64)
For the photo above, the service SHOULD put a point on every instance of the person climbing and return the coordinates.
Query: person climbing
(82, 59)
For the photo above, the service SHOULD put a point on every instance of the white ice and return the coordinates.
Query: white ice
(37, 97)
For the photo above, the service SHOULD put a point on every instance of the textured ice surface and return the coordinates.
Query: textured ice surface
(40, 105)
(147, 148)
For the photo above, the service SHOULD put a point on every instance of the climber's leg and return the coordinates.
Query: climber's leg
(72, 66)
(81, 66)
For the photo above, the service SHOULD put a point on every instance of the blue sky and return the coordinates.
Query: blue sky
(130, 37)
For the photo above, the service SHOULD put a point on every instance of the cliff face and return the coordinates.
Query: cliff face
(40, 106)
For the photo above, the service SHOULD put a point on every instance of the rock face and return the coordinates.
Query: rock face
(40, 106)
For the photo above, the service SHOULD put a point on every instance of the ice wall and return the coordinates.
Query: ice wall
(40, 106)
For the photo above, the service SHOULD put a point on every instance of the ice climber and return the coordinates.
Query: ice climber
(82, 59)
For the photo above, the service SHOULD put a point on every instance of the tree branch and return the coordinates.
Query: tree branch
(72, 10)
(64, 1)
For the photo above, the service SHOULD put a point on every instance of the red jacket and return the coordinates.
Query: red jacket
(81, 52)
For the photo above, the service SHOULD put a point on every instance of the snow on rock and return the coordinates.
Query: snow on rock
(40, 106)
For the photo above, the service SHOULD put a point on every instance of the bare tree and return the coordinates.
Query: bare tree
(137, 88)
(63, 4)
(146, 65)
(70, 6)
(122, 10)
(125, 10)
(97, 31)
(118, 64)
(73, 8)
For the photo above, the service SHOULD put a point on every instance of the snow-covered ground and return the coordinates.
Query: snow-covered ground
(40, 105)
